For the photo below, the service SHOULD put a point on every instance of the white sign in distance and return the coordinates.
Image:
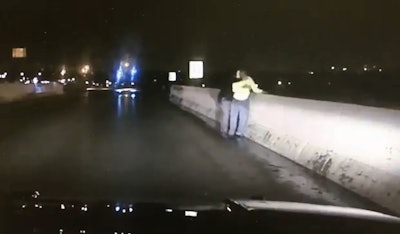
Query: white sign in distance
(172, 76)
(196, 69)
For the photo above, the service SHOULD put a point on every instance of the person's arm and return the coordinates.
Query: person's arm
(237, 85)
(254, 86)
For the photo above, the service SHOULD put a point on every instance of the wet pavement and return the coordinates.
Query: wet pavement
(145, 149)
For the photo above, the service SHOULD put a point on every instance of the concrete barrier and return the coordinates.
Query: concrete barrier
(355, 146)
(15, 91)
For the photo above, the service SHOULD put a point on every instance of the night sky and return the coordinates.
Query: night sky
(257, 34)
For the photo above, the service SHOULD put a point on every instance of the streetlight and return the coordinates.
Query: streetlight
(126, 64)
(85, 69)
(35, 80)
(333, 68)
(63, 72)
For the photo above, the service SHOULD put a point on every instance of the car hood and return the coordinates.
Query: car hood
(306, 208)
(32, 212)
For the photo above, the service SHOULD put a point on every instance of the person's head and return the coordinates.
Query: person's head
(243, 74)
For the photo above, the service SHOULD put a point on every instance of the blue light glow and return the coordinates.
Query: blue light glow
(133, 73)
(119, 114)
(117, 208)
(119, 74)
(126, 73)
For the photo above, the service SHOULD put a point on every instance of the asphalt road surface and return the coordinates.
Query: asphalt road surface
(145, 149)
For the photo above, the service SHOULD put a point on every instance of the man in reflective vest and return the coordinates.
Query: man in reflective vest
(240, 105)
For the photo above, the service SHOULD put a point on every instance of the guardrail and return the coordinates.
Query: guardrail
(15, 91)
(355, 146)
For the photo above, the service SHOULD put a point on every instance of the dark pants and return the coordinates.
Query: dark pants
(239, 116)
